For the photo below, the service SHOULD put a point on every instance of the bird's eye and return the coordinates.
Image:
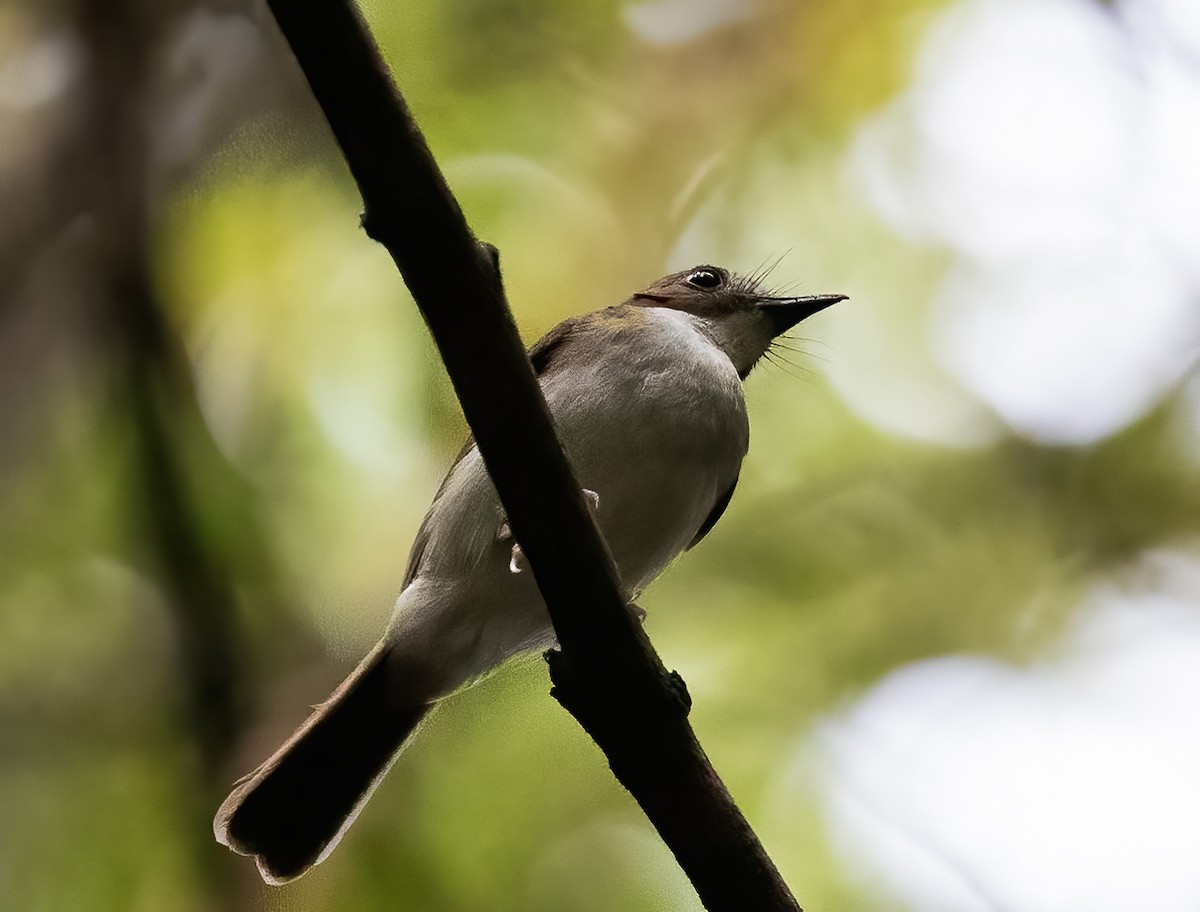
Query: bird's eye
(704, 278)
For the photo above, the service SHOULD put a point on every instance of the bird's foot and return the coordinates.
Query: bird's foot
(636, 612)
(518, 562)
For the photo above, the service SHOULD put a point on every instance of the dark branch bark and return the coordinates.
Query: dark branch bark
(607, 673)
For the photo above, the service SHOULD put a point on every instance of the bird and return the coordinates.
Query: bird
(647, 401)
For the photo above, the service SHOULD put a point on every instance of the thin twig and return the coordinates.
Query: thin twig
(607, 673)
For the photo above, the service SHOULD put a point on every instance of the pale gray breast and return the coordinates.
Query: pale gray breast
(652, 416)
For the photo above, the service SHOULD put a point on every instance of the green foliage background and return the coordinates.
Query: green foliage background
(322, 420)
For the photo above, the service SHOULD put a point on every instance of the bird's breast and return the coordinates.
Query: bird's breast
(651, 414)
(654, 421)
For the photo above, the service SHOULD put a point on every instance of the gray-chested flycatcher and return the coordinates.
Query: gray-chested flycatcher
(647, 401)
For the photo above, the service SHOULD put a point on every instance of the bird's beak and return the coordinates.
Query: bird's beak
(787, 312)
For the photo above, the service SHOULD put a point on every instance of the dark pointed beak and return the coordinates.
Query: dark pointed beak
(787, 312)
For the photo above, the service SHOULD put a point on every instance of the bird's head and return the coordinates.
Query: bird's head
(738, 314)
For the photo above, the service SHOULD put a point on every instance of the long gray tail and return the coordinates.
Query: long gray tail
(291, 811)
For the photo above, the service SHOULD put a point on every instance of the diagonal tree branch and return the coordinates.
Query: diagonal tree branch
(605, 673)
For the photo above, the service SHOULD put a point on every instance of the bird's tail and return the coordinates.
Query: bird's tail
(291, 811)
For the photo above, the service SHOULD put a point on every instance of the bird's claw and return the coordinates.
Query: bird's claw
(515, 565)
(517, 562)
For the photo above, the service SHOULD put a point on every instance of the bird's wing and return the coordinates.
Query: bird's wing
(422, 539)
(714, 514)
(541, 354)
